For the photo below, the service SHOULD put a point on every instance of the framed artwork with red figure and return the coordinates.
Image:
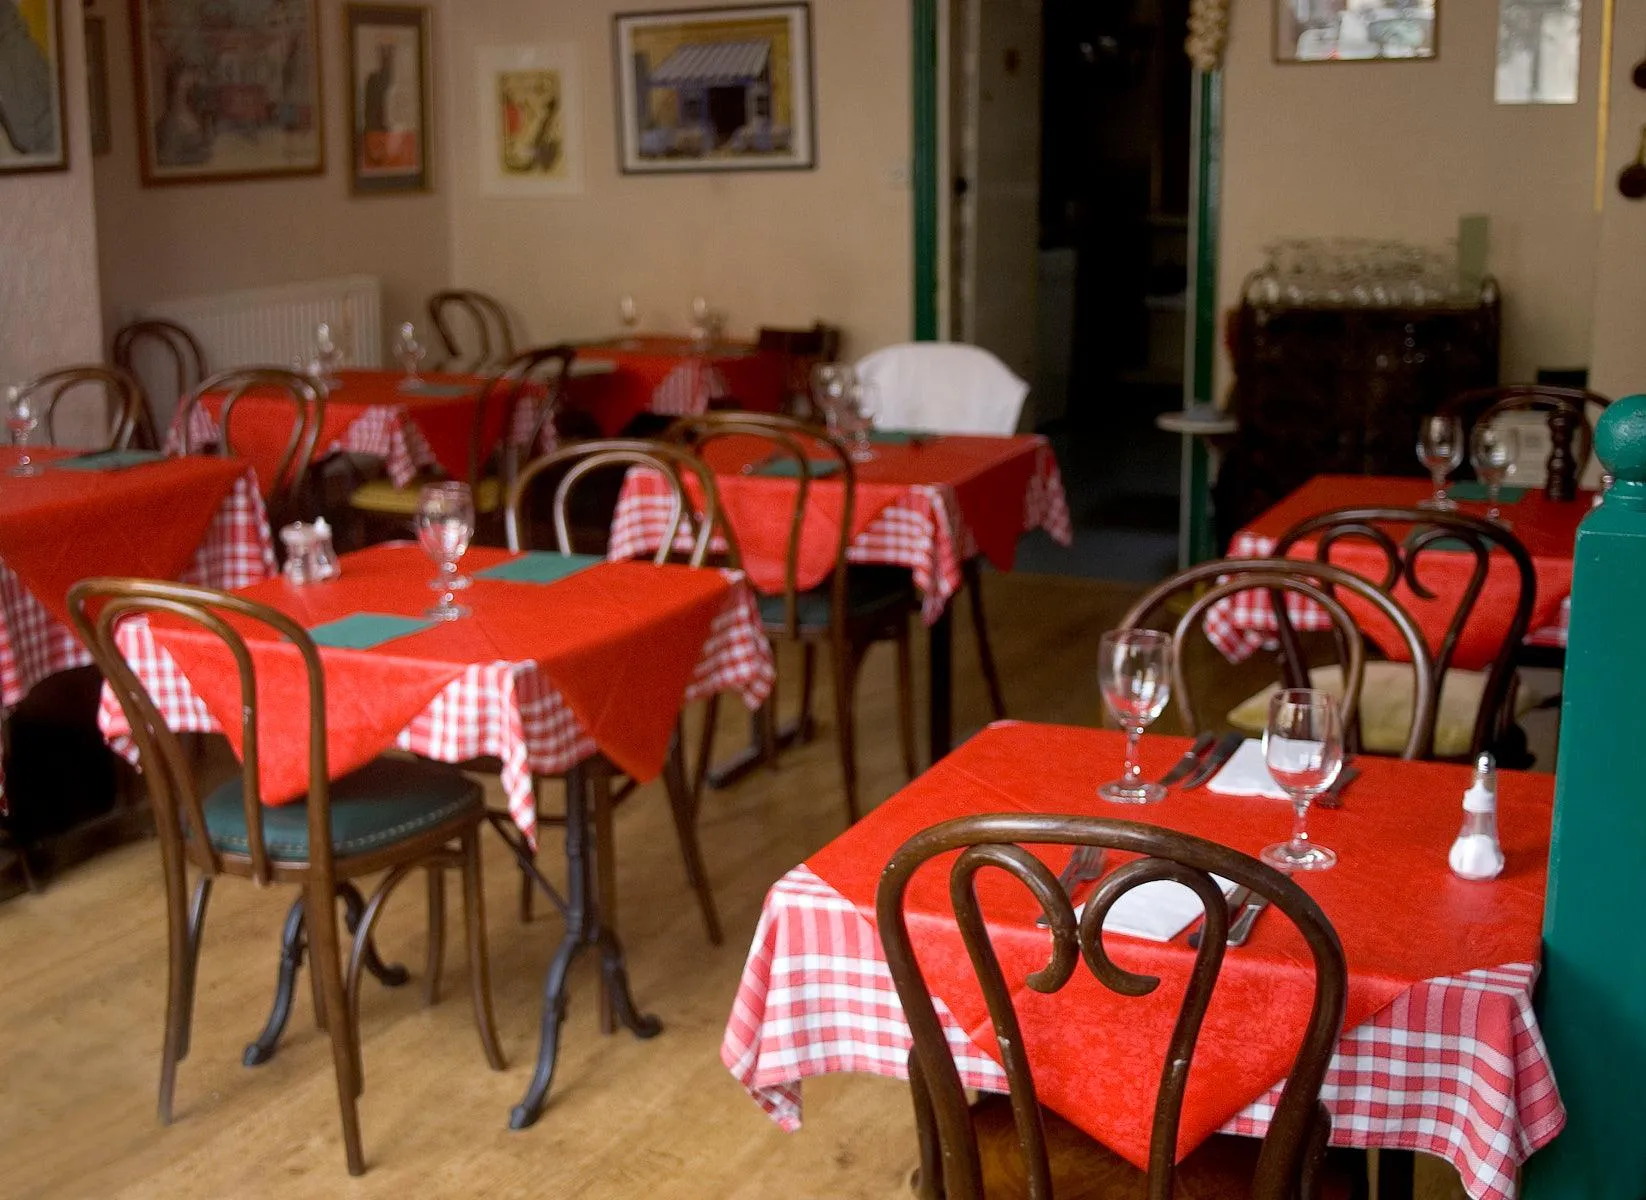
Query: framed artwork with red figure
(388, 55)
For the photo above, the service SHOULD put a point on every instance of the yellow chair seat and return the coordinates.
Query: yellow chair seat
(1386, 706)
(381, 496)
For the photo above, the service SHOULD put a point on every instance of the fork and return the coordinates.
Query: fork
(1085, 866)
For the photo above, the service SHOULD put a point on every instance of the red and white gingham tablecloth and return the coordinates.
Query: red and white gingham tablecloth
(1455, 1067)
(506, 710)
(923, 531)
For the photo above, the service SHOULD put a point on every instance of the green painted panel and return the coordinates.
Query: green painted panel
(924, 169)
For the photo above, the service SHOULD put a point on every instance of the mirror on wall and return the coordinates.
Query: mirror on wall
(1538, 51)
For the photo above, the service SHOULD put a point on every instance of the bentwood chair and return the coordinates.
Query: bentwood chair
(288, 495)
(487, 321)
(394, 815)
(161, 339)
(800, 350)
(1571, 429)
(1010, 1147)
(1208, 583)
(565, 470)
(849, 611)
(121, 406)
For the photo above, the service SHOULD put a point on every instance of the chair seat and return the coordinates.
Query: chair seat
(381, 496)
(869, 591)
(385, 802)
(1386, 706)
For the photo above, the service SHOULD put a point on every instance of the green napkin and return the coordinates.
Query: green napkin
(537, 566)
(788, 468)
(109, 460)
(900, 437)
(431, 387)
(1473, 489)
(363, 631)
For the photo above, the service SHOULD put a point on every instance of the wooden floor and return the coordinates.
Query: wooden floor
(82, 970)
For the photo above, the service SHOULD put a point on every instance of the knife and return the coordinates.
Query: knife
(1332, 797)
(1190, 758)
(1236, 901)
(1242, 928)
(1213, 762)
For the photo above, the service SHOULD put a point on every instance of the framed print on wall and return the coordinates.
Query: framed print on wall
(227, 89)
(388, 52)
(531, 120)
(715, 89)
(31, 88)
(1318, 31)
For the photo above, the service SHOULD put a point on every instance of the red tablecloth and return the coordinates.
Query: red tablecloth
(1241, 625)
(668, 375)
(1397, 823)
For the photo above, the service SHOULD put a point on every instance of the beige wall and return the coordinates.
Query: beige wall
(198, 239)
(1620, 285)
(1403, 149)
(779, 248)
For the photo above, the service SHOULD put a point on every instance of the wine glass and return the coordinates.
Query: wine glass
(445, 523)
(700, 324)
(865, 405)
(629, 313)
(832, 385)
(1440, 450)
(409, 350)
(1134, 672)
(1303, 748)
(328, 356)
(22, 419)
(1493, 450)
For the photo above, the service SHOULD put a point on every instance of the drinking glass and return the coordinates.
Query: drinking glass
(328, 356)
(445, 523)
(1303, 747)
(1440, 450)
(865, 406)
(409, 350)
(832, 386)
(1493, 450)
(1134, 672)
(629, 313)
(22, 419)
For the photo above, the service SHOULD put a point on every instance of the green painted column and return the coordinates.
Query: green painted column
(1592, 996)
(923, 175)
(1195, 539)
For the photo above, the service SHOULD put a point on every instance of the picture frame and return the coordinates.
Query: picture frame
(97, 86)
(1342, 31)
(227, 90)
(33, 131)
(531, 120)
(715, 89)
(389, 82)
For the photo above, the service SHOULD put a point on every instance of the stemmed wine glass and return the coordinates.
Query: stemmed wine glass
(832, 386)
(328, 356)
(701, 332)
(1303, 748)
(22, 419)
(865, 405)
(409, 350)
(1493, 450)
(1134, 672)
(629, 313)
(445, 523)
(1440, 450)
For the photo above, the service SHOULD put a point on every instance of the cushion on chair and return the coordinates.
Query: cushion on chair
(381, 496)
(868, 590)
(1386, 706)
(387, 801)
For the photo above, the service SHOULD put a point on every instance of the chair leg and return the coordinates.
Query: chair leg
(181, 949)
(326, 965)
(705, 747)
(972, 570)
(845, 711)
(683, 806)
(480, 981)
(437, 934)
(905, 700)
(808, 672)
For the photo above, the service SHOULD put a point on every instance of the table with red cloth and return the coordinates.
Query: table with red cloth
(674, 377)
(1243, 624)
(1441, 1051)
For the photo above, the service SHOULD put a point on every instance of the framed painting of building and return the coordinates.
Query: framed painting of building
(531, 120)
(31, 88)
(715, 89)
(1322, 31)
(227, 89)
(388, 53)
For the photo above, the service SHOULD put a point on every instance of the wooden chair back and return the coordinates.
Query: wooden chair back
(1208, 583)
(126, 406)
(792, 441)
(1438, 532)
(182, 348)
(1298, 1131)
(801, 350)
(288, 490)
(535, 377)
(489, 322)
(96, 607)
(1571, 433)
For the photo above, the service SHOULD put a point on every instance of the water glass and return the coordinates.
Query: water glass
(1493, 450)
(1440, 450)
(629, 313)
(445, 525)
(832, 387)
(328, 356)
(1303, 748)
(865, 406)
(1134, 673)
(22, 419)
(409, 350)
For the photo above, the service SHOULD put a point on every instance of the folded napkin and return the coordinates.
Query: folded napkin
(363, 631)
(900, 437)
(1473, 489)
(788, 468)
(432, 387)
(1247, 774)
(109, 460)
(1157, 911)
(540, 566)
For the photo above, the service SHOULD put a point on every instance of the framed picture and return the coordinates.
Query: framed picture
(715, 89)
(1311, 31)
(388, 50)
(97, 85)
(531, 121)
(31, 88)
(227, 89)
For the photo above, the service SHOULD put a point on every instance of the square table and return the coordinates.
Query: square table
(1440, 1053)
(542, 676)
(673, 376)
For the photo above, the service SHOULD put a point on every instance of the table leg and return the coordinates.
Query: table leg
(940, 685)
(751, 756)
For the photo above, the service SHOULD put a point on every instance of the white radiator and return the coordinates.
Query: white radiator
(272, 326)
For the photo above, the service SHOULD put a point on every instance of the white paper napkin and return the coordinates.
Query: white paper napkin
(1246, 774)
(1158, 911)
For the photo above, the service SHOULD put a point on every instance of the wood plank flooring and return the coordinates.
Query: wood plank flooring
(82, 973)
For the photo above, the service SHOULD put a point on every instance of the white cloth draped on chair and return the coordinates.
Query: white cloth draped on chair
(944, 387)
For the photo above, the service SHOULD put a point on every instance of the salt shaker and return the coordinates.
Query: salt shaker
(1476, 854)
(297, 538)
(323, 555)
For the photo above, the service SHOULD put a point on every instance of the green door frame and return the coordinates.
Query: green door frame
(923, 176)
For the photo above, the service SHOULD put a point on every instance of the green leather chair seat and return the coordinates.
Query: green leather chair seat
(381, 496)
(868, 590)
(385, 802)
